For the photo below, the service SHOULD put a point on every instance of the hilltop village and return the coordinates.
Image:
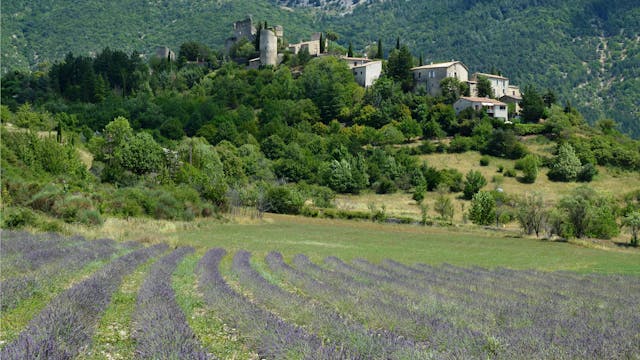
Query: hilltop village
(273, 49)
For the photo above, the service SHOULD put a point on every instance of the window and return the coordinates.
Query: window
(502, 107)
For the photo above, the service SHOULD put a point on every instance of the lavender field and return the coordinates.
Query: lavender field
(290, 307)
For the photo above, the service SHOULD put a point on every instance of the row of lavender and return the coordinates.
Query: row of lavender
(30, 262)
(336, 310)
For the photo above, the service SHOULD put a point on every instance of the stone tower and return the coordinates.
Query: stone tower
(268, 48)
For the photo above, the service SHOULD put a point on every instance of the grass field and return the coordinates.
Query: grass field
(319, 238)
(614, 183)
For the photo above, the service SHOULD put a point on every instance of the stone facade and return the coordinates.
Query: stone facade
(494, 108)
(164, 52)
(313, 46)
(244, 28)
(366, 74)
(430, 76)
(268, 48)
(499, 84)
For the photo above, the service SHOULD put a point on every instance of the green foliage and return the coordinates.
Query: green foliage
(484, 161)
(529, 166)
(632, 221)
(585, 213)
(483, 208)
(283, 200)
(566, 165)
(484, 87)
(531, 213)
(532, 105)
(443, 205)
(140, 155)
(474, 181)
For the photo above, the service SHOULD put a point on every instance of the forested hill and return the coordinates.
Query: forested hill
(586, 50)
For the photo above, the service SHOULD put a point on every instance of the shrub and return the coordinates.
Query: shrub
(529, 167)
(484, 161)
(511, 172)
(427, 147)
(483, 208)
(473, 183)
(460, 144)
(89, 217)
(46, 198)
(69, 207)
(385, 186)
(566, 165)
(15, 218)
(283, 200)
(587, 173)
(500, 168)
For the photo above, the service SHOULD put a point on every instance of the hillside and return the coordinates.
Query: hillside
(588, 52)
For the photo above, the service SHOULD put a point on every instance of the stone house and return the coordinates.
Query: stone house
(493, 107)
(430, 76)
(499, 84)
(313, 46)
(164, 52)
(513, 96)
(367, 73)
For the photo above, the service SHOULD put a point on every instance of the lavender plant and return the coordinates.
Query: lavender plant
(269, 335)
(161, 329)
(66, 324)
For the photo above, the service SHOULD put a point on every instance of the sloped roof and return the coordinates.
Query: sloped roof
(439, 65)
(490, 76)
(483, 100)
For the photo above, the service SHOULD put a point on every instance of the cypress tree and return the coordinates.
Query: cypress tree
(350, 51)
(398, 43)
(321, 44)
(379, 52)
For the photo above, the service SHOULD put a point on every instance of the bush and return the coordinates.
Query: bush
(500, 168)
(69, 207)
(385, 186)
(283, 200)
(427, 147)
(511, 172)
(473, 183)
(15, 218)
(483, 208)
(587, 173)
(484, 161)
(529, 167)
(460, 144)
(566, 165)
(89, 217)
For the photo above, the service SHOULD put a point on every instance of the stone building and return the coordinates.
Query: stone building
(268, 47)
(164, 52)
(365, 71)
(493, 107)
(313, 46)
(499, 84)
(430, 76)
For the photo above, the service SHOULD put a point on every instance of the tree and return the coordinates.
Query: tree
(484, 87)
(532, 105)
(379, 53)
(398, 43)
(632, 221)
(322, 44)
(483, 208)
(399, 64)
(409, 128)
(566, 165)
(140, 155)
(452, 89)
(532, 214)
(473, 183)
(549, 98)
(443, 205)
(350, 51)
(588, 214)
(529, 165)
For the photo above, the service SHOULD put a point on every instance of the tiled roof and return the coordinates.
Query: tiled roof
(483, 100)
(438, 65)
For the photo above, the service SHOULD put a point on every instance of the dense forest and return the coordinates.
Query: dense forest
(587, 52)
(113, 135)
